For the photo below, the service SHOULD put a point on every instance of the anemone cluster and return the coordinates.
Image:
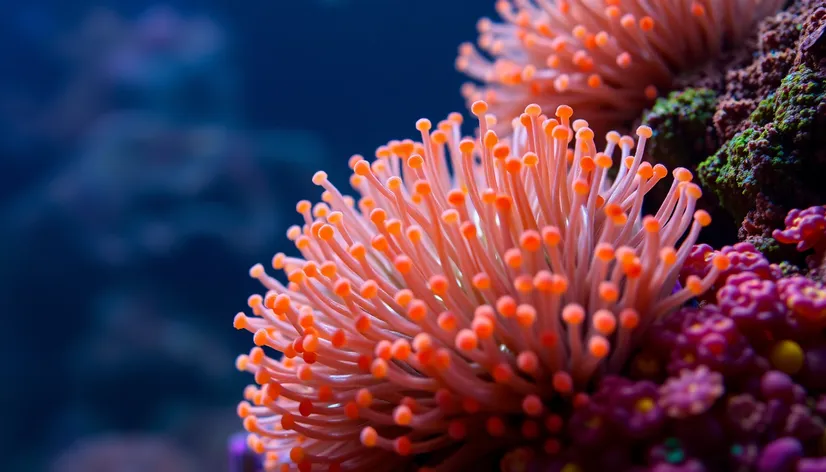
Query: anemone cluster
(500, 302)
(607, 58)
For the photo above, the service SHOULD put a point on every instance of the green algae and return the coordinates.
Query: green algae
(681, 123)
(766, 157)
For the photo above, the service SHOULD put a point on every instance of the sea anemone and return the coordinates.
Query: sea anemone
(469, 300)
(609, 59)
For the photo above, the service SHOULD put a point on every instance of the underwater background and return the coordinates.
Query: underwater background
(150, 153)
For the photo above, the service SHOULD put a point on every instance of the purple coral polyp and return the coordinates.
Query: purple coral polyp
(780, 455)
(714, 342)
(692, 393)
(740, 379)
(805, 298)
(753, 304)
(805, 228)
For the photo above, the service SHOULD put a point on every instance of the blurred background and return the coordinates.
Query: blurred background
(150, 153)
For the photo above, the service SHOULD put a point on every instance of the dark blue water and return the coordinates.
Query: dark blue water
(137, 188)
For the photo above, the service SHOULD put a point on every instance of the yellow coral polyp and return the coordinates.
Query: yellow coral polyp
(644, 405)
(787, 356)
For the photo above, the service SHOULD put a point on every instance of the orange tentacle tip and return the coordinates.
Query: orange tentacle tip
(479, 108)
(702, 218)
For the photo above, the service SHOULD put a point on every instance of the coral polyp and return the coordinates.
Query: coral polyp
(470, 300)
(607, 58)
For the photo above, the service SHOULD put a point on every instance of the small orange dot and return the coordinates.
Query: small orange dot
(369, 436)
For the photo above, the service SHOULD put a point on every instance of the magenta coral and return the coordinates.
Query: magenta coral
(713, 341)
(754, 305)
(747, 374)
(609, 59)
(444, 313)
(743, 257)
(806, 299)
(780, 455)
(807, 230)
(692, 393)
(619, 408)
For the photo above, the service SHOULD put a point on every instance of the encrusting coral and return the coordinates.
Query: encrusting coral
(773, 163)
(751, 130)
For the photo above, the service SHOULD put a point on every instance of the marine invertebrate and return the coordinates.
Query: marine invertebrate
(446, 314)
(711, 341)
(743, 257)
(608, 59)
(751, 399)
(717, 114)
(806, 227)
(620, 414)
(781, 454)
(692, 393)
(806, 298)
(753, 303)
(807, 230)
(780, 316)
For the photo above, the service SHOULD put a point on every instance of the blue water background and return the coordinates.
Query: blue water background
(137, 188)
